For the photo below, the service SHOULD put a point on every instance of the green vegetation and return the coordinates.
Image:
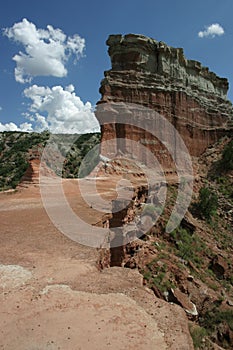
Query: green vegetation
(162, 282)
(220, 173)
(213, 318)
(82, 157)
(188, 250)
(226, 162)
(14, 147)
(152, 210)
(198, 334)
(17, 148)
(225, 187)
(208, 203)
(188, 246)
(158, 276)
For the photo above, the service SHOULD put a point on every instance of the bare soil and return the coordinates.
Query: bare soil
(53, 295)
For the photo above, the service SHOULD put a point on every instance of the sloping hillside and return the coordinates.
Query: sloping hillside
(18, 150)
(191, 266)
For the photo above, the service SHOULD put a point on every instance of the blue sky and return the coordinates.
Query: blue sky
(57, 86)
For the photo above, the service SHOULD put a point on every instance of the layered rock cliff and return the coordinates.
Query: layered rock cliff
(157, 76)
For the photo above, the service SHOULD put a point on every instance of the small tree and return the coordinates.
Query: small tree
(227, 157)
(208, 203)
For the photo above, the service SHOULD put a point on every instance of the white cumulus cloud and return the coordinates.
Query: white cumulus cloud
(13, 127)
(211, 31)
(60, 110)
(46, 51)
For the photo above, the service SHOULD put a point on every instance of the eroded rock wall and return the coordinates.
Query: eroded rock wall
(152, 74)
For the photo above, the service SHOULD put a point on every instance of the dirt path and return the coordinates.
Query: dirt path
(54, 297)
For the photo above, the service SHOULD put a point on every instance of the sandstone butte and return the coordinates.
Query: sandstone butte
(53, 294)
(152, 74)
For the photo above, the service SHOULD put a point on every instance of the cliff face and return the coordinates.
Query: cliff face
(31, 175)
(152, 74)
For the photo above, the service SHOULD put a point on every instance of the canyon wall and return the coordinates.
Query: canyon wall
(149, 73)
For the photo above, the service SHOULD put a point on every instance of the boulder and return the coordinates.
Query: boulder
(219, 266)
(176, 296)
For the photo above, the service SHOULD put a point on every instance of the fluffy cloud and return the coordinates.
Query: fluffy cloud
(13, 127)
(211, 31)
(46, 51)
(60, 110)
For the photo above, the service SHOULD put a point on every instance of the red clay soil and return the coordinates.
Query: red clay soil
(54, 297)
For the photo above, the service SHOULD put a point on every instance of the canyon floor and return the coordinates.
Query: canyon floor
(54, 296)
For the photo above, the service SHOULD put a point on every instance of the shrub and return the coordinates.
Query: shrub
(83, 156)
(188, 245)
(151, 210)
(197, 334)
(207, 204)
(227, 157)
(212, 318)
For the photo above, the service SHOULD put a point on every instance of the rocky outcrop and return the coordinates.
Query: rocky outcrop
(155, 75)
(31, 175)
(129, 221)
(219, 267)
(35, 169)
(183, 300)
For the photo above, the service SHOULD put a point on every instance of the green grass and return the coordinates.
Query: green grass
(213, 318)
(197, 334)
(188, 246)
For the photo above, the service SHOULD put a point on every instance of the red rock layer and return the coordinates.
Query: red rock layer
(151, 74)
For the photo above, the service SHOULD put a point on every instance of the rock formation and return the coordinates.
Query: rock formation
(31, 175)
(35, 168)
(152, 74)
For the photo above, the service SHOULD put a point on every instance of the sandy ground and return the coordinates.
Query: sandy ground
(54, 297)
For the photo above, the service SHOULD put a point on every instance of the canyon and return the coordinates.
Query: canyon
(165, 122)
